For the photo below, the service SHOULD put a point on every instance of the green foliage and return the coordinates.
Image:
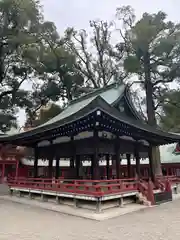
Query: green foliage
(170, 119)
(160, 38)
(18, 25)
(153, 49)
(54, 65)
(44, 115)
(132, 64)
(32, 54)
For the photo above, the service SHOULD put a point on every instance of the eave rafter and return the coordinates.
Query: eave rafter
(102, 121)
(70, 129)
(110, 124)
(97, 114)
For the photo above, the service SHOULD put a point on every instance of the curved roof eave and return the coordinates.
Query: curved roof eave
(110, 94)
(98, 103)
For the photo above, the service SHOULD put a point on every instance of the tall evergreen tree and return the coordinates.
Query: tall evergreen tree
(153, 49)
(18, 29)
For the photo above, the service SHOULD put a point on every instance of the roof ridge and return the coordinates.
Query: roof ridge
(94, 92)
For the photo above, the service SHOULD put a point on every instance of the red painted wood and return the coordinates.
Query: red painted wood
(92, 188)
(150, 193)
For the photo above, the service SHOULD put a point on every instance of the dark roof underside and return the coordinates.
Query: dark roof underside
(85, 119)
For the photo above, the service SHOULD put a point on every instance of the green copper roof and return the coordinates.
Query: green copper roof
(110, 94)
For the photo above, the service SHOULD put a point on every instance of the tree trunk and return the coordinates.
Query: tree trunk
(156, 162)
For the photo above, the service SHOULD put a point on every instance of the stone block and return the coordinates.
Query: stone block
(120, 202)
(76, 203)
(43, 198)
(98, 206)
(30, 195)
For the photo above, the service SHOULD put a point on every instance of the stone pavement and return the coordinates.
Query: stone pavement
(23, 222)
(78, 212)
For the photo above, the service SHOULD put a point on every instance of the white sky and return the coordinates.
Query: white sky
(71, 13)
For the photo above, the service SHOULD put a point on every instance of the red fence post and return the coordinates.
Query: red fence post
(168, 186)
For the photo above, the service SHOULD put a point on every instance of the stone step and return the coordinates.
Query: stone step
(4, 189)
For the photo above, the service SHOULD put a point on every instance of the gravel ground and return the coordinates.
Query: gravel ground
(22, 222)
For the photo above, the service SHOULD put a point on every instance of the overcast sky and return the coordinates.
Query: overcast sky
(77, 13)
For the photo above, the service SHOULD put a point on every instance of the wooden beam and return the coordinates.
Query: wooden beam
(107, 165)
(128, 157)
(57, 167)
(95, 157)
(73, 153)
(117, 155)
(36, 156)
(151, 170)
(51, 158)
(78, 159)
(137, 157)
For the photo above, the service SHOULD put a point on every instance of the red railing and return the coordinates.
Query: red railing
(96, 188)
(87, 187)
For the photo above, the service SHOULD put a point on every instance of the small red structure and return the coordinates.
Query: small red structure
(10, 164)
